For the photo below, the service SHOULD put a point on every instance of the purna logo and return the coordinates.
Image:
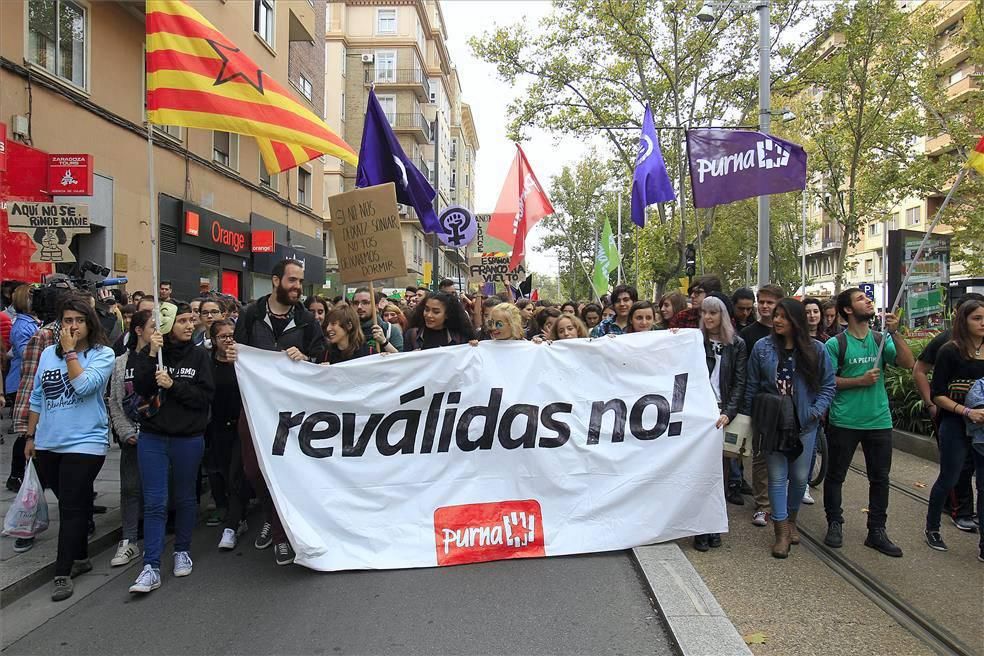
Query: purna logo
(480, 532)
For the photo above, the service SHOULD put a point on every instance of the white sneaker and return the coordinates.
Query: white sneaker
(182, 563)
(807, 499)
(149, 579)
(125, 552)
(760, 518)
(228, 541)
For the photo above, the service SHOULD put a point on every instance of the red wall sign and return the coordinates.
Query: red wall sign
(70, 175)
(191, 223)
(263, 241)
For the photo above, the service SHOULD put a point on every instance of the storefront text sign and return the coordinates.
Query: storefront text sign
(70, 175)
(366, 227)
(214, 231)
(51, 226)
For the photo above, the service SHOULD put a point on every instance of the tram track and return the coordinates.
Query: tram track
(895, 486)
(933, 634)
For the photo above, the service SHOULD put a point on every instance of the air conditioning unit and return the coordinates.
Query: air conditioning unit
(367, 58)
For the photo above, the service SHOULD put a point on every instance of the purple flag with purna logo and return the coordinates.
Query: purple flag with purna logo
(731, 165)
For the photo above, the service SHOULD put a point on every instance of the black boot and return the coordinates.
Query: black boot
(878, 539)
(733, 495)
(835, 535)
(701, 543)
(714, 540)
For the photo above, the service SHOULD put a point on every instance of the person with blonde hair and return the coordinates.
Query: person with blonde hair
(505, 322)
(393, 314)
(567, 326)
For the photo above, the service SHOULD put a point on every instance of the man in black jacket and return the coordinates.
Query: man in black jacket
(277, 322)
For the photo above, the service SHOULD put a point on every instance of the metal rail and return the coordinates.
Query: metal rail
(936, 636)
(895, 486)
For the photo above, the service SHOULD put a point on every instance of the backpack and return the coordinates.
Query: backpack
(841, 338)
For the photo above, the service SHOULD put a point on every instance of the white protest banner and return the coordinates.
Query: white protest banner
(504, 450)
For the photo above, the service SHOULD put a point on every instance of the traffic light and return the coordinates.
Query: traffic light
(690, 259)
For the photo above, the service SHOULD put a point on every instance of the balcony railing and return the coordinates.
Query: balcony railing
(413, 122)
(413, 78)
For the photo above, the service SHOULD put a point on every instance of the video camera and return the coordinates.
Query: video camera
(45, 298)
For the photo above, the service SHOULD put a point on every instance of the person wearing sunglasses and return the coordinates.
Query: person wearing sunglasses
(505, 323)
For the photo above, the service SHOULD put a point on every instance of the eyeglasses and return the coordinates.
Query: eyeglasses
(210, 313)
(498, 325)
(226, 338)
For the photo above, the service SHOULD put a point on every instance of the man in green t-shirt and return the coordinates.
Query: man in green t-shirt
(860, 414)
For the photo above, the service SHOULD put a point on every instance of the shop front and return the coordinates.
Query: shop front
(278, 243)
(203, 251)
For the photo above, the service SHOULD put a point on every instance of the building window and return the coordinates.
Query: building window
(344, 60)
(913, 215)
(173, 131)
(454, 149)
(388, 103)
(454, 179)
(225, 149)
(304, 85)
(957, 75)
(874, 229)
(385, 66)
(868, 267)
(421, 41)
(303, 187)
(435, 89)
(467, 180)
(267, 180)
(57, 38)
(328, 18)
(263, 17)
(386, 21)
(341, 113)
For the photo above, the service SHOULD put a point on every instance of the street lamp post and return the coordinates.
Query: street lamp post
(707, 15)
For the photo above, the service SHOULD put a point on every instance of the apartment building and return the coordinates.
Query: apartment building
(400, 49)
(72, 81)
(866, 262)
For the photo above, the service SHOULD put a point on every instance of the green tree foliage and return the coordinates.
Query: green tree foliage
(858, 117)
(592, 65)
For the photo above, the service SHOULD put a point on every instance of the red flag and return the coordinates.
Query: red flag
(535, 296)
(522, 202)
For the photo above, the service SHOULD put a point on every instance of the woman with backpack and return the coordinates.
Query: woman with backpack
(177, 399)
(790, 364)
(125, 419)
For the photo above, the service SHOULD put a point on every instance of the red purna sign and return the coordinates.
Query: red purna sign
(479, 532)
(70, 175)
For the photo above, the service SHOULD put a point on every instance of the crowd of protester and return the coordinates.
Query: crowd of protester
(104, 369)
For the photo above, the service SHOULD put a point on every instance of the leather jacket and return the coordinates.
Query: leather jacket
(732, 375)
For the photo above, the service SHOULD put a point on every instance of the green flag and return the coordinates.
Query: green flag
(606, 260)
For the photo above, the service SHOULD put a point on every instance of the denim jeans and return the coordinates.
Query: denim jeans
(131, 494)
(788, 479)
(157, 455)
(955, 447)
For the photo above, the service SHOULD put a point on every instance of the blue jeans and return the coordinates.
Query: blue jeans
(787, 480)
(158, 455)
(955, 445)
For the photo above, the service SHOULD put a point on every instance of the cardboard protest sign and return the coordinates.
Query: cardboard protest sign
(484, 242)
(494, 268)
(51, 226)
(365, 224)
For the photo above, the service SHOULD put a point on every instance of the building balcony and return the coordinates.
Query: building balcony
(421, 165)
(414, 124)
(413, 79)
(830, 245)
(949, 12)
(952, 50)
(939, 144)
(962, 88)
(301, 21)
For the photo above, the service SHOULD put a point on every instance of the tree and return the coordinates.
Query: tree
(594, 64)
(861, 120)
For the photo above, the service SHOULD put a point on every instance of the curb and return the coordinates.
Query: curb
(695, 620)
(35, 579)
(922, 446)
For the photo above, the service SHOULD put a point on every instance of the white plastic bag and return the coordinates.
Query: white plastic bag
(29, 514)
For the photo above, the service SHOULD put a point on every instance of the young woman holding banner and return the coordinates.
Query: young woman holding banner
(791, 363)
(642, 317)
(346, 340)
(568, 327)
(505, 323)
(439, 321)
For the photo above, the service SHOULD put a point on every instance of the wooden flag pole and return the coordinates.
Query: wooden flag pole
(372, 297)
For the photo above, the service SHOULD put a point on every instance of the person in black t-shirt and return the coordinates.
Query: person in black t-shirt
(346, 340)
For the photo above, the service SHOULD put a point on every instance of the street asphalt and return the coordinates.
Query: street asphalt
(241, 602)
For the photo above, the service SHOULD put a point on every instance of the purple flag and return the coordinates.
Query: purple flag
(381, 160)
(730, 165)
(650, 182)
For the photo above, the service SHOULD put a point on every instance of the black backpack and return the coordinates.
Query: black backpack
(842, 347)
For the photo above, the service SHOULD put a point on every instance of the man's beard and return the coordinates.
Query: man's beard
(283, 296)
(864, 318)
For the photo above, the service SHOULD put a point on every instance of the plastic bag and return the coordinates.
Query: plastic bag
(29, 514)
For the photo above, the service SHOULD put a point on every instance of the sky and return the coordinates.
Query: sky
(489, 98)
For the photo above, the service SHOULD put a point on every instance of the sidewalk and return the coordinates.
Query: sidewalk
(22, 572)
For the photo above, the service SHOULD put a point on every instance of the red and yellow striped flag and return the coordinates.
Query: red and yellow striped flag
(976, 159)
(198, 78)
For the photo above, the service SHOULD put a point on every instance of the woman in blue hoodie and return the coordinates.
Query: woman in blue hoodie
(68, 430)
(790, 363)
(171, 439)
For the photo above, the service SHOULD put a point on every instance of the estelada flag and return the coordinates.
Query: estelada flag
(522, 202)
(976, 159)
(198, 78)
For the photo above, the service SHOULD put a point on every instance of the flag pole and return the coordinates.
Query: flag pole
(156, 289)
(919, 251)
